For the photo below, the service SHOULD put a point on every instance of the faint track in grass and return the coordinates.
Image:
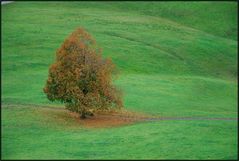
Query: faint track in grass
(166, 51)
(31, 105)
(126, 116)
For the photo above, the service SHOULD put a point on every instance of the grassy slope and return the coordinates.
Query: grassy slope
(183, 66)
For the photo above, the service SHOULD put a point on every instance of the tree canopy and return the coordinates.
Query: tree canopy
(81, 78)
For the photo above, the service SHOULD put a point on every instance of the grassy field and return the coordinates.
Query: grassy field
(176, 59)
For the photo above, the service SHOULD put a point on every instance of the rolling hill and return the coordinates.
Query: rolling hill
(175, 59)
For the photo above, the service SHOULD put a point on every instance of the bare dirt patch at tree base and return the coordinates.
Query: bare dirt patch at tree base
(109, 119)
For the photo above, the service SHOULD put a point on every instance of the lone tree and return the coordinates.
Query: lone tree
(81, 78)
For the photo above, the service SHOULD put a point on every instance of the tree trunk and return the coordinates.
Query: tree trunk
(83, 115)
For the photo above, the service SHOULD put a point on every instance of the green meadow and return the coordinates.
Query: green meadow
(176, 59)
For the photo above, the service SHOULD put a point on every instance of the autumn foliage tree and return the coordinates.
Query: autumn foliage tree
(81, 78)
